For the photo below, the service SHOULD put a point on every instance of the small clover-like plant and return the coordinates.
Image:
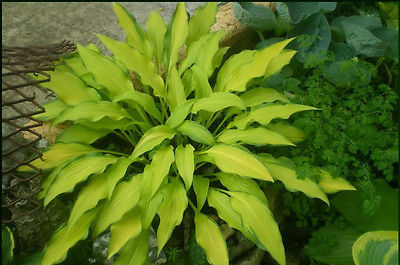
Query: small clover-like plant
(188, 133)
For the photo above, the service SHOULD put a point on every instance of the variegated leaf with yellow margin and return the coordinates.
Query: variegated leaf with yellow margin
(154, 174)
(377, 248)
(184, 160)
(332, 185)
(77, 172)
(258, 219)
(151, 139)
(210, 238)
(289, 178)
(125, 197)
(64, 238)
(107, 72)
(130, 226)
(234, 160)
(259, 136)
(136, 62)
(170, 211)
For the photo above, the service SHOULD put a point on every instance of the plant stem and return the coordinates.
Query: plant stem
(113, 152)
(260, 35)
(192, 205)
(219, 126)
(129, 138)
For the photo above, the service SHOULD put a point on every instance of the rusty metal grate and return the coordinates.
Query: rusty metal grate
(22, 98)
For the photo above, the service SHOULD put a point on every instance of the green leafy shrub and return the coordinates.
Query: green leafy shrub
(151, 132)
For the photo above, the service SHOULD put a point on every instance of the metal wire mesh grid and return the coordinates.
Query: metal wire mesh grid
(22, 98)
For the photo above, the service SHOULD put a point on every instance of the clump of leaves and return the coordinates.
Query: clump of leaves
(185, 134)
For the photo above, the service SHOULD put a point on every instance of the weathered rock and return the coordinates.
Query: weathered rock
(227, 231)
(253, 257)
(240, 245)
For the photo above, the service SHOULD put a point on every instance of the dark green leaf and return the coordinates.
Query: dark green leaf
(258, 17)
(316, 37)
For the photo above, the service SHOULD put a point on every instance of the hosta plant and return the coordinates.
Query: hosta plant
(188, 137)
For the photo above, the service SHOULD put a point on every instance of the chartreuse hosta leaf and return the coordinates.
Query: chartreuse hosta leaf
(107, 72)
(93, 111)
(135, 35)
(64, 238)
(210, 238)
(81, 134)
(153, 125)
(260, 95)
(152, 138)
(200, 186)
(196, 132)
(70, 88)
(332, 185)
(175, 90)
(88, 197)
(377, 247)
(278, 62)
(255, 136)
(53, 109)
(135, 251)
(264, 114)
(170, 211)
(124, 198)
(156, 28)
(235, 183)
(136, 62)
(221, 202)
(201, 22)
(258, 219)
(289, 178)
(143, 100)
(176, 34)
(128, 227)
(180, 113)
(154, 174)
(77, 172)
(234, 160)
(184, 160)
(217, 101)
(255, 68)
(59, 153)
(293, 134)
